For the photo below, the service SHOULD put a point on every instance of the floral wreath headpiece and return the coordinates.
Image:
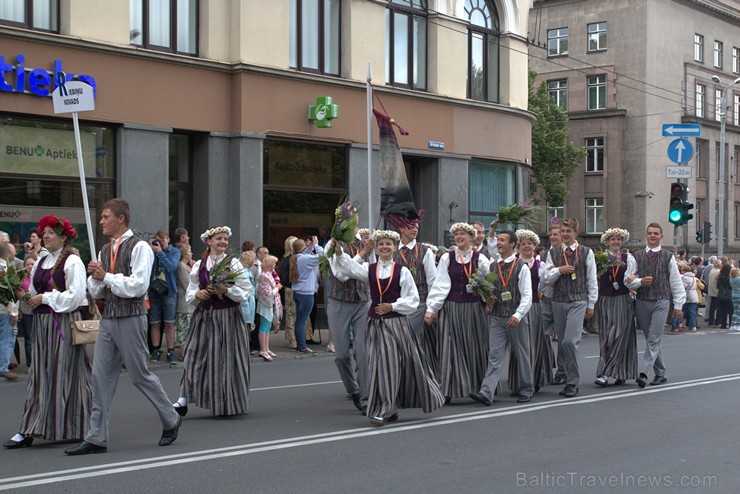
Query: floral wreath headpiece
(527, 235)
(213, 231)
(381, 234)
(432, 247)
(59, 225)
(620, 232)
(363, 231)
(467, 228)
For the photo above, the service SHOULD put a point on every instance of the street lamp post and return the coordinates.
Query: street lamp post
(721, 208)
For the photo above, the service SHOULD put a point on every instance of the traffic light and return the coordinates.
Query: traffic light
(679, 207)
(699, 238)
(707, 232)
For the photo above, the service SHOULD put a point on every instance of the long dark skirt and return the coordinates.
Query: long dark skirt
(541, 354)
(216, 363)
(462, 348)
(399, 372)
(58, 390)
(617, 337)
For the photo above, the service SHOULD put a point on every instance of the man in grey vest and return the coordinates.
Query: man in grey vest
(654, 276)
(347, 304)
(508, 324)
(548, 324)
(121, 276)
(571, 271)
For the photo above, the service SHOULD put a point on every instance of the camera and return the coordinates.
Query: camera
(156, 242)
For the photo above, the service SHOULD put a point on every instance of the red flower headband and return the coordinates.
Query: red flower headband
(59, 225)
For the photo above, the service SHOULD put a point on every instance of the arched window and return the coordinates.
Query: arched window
(406, 43)
(483, 50)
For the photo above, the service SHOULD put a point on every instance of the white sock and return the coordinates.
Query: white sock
(183, 402)
(18, 438)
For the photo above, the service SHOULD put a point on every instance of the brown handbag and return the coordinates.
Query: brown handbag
(85, 332)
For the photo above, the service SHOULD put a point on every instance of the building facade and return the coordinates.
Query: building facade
(202, 110)
(623, 69)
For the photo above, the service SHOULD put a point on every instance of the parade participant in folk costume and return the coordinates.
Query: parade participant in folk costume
(548, 324)
(121, 276)
(541, 356)
(58, 392)
(508, 324)
(462, 351)
(571, 271)
(655, 279)
(615, 310)
(399, 374)
(216, 374)
(347, 303)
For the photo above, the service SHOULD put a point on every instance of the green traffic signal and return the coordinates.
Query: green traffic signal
(675, 216)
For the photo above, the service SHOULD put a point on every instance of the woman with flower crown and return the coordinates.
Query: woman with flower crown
(216, 349)
(462, 350)
(615, 310)
(542, 357)
(399, 373)
(58, 391)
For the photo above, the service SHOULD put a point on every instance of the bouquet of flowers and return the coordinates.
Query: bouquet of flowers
(346, 219)
(483, 284)
(221, 274)
(10, 282)
(526, 214)
(605, 261)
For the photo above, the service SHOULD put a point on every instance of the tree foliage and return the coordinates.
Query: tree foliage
(554, 159)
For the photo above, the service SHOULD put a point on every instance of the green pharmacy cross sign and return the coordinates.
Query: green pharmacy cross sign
(323, 112)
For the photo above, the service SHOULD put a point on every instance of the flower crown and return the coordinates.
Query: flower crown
(381, 234)
(463, 226)
(620, 232)
(527, 235)
(363, 231)
(213, 231)
(430, 246)
(59, 225)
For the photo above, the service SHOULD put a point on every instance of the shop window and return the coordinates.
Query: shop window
(315, 35)
(41, 15)
(406, 43)
(492, 186)
(483, 50)
(165, 25)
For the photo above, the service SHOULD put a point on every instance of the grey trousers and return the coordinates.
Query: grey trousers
(500, 336)
(123, 341)
(651, 317)
(548, 324)
(342, 316)
(568, 318)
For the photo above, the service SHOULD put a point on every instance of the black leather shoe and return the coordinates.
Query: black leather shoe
(524, 399)
(448, 400)
(26, 441)
(619, 382)
(85, 448)
(480, 399)
(658, 380)
(377, 421)
(558, 380)
(569, 391)
(392, 418)
(181, 410)
(356, 401)
(364, 410)
(169, 436)
(642, 380)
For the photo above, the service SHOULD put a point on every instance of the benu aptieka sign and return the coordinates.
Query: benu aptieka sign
(73, 96)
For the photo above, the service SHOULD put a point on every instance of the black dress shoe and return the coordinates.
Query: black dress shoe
(26, 441)
(85, 448)
(658, 380)
(642, 380)
(364, 410)
(558, 380)
(181, 410)
(569, 391)
(356, 401)
(480, 399)
(448, 400)
(392, 418)
(169, 436)
(524, 399)
(619, 382)
(377, 421)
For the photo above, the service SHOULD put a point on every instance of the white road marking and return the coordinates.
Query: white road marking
(295, 386)
(245, 449)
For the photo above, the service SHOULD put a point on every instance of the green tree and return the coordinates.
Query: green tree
(554, 159)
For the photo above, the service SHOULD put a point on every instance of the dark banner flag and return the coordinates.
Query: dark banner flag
(396, 202)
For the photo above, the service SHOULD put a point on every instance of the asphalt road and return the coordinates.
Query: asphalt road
(303, 435)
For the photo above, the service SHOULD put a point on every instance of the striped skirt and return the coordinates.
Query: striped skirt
(617, 337)
(216, 363)
(462, 348)
(541, 354)
(399, 373)
(58, 390)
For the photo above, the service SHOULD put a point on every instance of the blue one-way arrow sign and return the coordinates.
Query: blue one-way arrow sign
(682, 130)
(680, 151)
